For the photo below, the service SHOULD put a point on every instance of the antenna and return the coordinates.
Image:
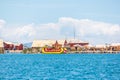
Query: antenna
(66, 36)
(74, 32)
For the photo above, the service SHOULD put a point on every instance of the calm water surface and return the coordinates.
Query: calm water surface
(60, 67)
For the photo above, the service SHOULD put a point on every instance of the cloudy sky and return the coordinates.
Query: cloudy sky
(95, 21)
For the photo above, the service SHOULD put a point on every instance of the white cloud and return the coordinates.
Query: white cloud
(92, 31)
(27, 30)
(19, 34)
(89, 27)
(89, 30)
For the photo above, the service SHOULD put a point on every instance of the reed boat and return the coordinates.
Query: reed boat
(54, 49)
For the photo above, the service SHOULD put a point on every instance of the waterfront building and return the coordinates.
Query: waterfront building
(101, 48)
(42, 43)
(13, 47)
(115, 46)
(71, 44)
(1, 46)
(77, 42)
(77, 45)
(37, 45)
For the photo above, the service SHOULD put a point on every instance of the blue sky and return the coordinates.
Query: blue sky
(17, 14)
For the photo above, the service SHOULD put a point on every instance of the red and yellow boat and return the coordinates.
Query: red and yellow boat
(55, 49)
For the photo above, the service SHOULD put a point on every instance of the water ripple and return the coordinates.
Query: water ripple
(60, 67)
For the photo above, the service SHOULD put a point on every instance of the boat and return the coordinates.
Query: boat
(54, 49)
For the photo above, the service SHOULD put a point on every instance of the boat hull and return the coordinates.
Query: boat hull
(52, 51)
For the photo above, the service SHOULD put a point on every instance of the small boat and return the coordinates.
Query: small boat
(54, 49)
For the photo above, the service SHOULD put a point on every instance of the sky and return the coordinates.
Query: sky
(94, 21)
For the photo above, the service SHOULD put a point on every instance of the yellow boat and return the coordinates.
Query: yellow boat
(54, 49)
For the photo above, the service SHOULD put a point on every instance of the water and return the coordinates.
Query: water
(60, 67)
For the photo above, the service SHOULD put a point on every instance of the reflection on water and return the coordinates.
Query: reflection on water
(60, 66)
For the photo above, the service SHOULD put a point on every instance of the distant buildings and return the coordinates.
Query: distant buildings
(71, 44)
(38, 44)
(1, 46)
(6, 47)
(13, 47)
(115, 46)
(75, 45)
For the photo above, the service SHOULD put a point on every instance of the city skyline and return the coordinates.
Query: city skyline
(97, 22)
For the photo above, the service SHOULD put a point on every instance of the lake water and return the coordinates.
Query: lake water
(59, 66)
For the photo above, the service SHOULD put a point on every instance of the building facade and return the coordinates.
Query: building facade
(1, 46)
(72, 44)
(13, 47)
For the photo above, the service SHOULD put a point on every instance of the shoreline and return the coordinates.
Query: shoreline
(94, 52)
(70, 52)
